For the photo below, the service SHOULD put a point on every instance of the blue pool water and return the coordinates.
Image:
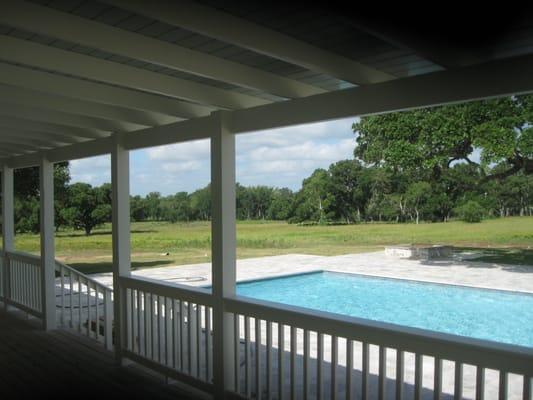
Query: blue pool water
(485, 314)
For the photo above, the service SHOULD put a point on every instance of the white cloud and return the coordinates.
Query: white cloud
(94, 170)
(281, 157)
(180, 151)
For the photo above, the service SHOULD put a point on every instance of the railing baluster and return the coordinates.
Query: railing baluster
(458, 384)
(526, 391)
(80, 319)
(247, 377)
(181, 333)
(258, 358)
(97, 306)
(319, 362)
(307, 348)
(153, 321)
(198, 339)
(71, 295)
(108, 328)
(159, 328)
(437, 379)
(349, 368)
(400, 362)
(62, 281)
(281, 354)
(334, 362)
(237, 353)
(382, 375)
(139, 308)
(131, 319)
(480, 383)
(174, 334)
(269, 359)
(365, 371)
(503, 386)
(293, 362)
(207, 343)
(189, 337)
(418, 376)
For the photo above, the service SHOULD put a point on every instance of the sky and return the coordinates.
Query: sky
(278, 158)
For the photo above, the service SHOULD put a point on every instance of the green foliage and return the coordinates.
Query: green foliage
(427, 141)
(471, 211)
(87, 207)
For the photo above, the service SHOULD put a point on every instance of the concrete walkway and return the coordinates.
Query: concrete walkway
(458, 270)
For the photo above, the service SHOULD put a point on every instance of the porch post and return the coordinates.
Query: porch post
(8, 226)
(120, 182)
(48, 292)
(223, 232)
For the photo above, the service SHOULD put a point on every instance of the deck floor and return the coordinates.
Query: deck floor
(60, 363)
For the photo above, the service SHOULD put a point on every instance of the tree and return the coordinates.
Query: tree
(313, 200)
(281, 205)
(416, 197)
(431, 140)
(87, 207)
(26, 194)
(201, 204)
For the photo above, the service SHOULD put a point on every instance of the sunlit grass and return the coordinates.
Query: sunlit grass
(190, 243)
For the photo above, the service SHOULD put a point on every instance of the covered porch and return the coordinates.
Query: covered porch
(110, 77)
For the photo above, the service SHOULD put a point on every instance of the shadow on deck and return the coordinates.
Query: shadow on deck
(62, 364)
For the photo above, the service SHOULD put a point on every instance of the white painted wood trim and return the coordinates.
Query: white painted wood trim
(223, 231)
(48, 267)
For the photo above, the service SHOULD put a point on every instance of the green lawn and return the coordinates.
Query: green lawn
(190, 243)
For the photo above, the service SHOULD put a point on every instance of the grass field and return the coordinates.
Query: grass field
(190, 243)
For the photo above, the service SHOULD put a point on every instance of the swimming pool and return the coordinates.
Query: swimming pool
(485, 314)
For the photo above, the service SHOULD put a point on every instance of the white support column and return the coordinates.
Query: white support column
(223, 232)
(120, 182)
(8, 225)
(46, 190)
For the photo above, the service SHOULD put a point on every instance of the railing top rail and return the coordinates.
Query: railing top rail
(517, 359)
(76, 272)
(168, 289)
(23, 256)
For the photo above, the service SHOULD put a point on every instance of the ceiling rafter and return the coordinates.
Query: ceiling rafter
(213, 23)
(32, 98)
(60, 117)
(163, 109)
(10, 122)
(68, 62)
(56, 139)
(68, 27)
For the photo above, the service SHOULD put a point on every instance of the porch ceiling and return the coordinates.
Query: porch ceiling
(75, 72)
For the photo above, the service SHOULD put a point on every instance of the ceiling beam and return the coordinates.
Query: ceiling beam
(164, 109)
(72, 63)
(16, 149)
(59, 117)
(54, 139)
(32, 98)
(240, 32)
(51, 128)
(49, 22)
(19, 139)
(493, 79)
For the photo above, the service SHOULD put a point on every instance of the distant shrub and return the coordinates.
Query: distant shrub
(471, 211)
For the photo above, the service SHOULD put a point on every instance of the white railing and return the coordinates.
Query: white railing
(331, 356)
(84, 304)
(21, 282)
(168, 327)
(280, 351)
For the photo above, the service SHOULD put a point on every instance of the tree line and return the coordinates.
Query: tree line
(408, 167)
